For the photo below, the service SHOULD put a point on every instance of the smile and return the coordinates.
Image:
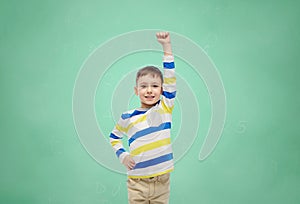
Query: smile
(149, 97)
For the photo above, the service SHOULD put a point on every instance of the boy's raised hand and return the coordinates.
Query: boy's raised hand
(163, 37)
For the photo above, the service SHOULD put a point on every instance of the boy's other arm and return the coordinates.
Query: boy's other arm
(116, 143)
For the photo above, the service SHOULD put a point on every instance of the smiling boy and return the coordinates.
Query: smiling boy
(148, 86)
(150, 159)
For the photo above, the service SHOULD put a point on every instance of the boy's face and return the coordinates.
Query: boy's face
(149, 89)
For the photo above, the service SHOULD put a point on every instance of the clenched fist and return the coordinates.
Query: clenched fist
(163, 37)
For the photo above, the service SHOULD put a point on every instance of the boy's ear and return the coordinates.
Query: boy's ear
(136, 90)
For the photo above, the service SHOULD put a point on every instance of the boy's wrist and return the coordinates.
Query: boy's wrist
(167, 48)
(166, 44)
(168, 58)
(123, 156)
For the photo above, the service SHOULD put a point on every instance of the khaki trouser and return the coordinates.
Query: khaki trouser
(154, 190)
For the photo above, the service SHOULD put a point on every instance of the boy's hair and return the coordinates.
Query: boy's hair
(154, 71)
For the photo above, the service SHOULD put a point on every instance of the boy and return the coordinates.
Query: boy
(150, 160)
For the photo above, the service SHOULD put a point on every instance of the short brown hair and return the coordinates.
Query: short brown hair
(154, 71)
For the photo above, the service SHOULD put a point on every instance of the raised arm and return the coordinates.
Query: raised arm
(169, 83)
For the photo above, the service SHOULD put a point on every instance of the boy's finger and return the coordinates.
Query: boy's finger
(162, 34)
(129, 166)
(132, 163)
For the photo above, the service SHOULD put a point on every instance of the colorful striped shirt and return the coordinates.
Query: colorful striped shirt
(148, 131)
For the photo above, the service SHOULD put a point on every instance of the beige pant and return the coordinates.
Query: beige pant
(155, 190)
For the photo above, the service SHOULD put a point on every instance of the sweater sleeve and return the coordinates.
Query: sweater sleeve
(116, 137)
(169, 84)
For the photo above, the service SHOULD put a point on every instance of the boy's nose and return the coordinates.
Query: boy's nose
(149, 89)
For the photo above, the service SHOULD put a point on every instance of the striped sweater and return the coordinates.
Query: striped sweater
(148, 131)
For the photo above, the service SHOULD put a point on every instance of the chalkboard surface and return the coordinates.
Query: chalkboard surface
(253, 46)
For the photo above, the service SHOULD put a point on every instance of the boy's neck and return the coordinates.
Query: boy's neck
(142, 109)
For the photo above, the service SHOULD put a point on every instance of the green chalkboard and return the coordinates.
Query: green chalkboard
(253, 47)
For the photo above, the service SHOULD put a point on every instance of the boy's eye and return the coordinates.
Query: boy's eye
(145, 86)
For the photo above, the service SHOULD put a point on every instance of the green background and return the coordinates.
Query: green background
(255, 47)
